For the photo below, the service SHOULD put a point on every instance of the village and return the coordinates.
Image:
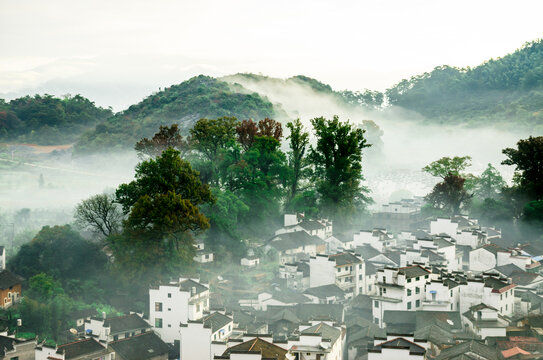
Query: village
(409, 288)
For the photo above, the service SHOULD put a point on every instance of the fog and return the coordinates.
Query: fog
(408, 144)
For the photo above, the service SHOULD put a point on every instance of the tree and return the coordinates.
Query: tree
(166, 137)
(528, 161)
(248, 130)
(299, 140)
(489, 184)
(58, 251)
(162, 204)
(337, 161)
(446, 165)
(449, 194)
(100, 214)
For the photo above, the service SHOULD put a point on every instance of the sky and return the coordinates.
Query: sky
(117, 52)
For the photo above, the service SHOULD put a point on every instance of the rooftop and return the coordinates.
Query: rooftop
(140, 347)
(120, 324)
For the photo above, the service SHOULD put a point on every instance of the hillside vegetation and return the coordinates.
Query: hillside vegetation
(184, 104)
(508, 90)
(48, 120)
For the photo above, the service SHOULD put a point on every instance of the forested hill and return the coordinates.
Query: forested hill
(507, 90)
(48, 120)
(184, 104)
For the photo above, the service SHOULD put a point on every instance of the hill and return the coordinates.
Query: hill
(507, 90)
(48, 120)
(185, 103)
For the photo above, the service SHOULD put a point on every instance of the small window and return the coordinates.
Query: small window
(158, 306)
(408, 292)
(115, 337)
(418, 278)
(417, 290)
(376, 304)
(426, 276)
(359, 277)
(451, 293)
(409, 305)
(169, 295)
(126, 335)
(408, 280)
(346, 268)
(158, 323)
(338, 269)
(360, 266)
(417, 303)
(169, 325)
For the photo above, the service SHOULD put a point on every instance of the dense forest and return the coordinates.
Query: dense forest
(48, 120)
(184, 104)
(507, 90)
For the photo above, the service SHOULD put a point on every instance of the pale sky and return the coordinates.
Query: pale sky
(117, 52)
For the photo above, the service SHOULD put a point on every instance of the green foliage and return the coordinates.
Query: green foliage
(533, 214)
(298, 141)
(528, 162)
(183, 104)
(48, 120)
(100, 214)
(498, 90)
(166, 137)
(489, 184)
(337, 161)
(162, 204)
(44, 287)
(59, 252)
(449, 195)
(444, 166)
(225, 214)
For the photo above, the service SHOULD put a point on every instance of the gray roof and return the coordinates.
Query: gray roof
(345, 258)
(367, 251)
(312, 312)
(311, 225)
(124, 323)
(325, 291)
(508, 269)
(413, 271)
(472, 349)
(293, 240)
(80, 348)
(140, 347)
(400, 343)
(216, 321)
(188, 284)
(9, 279)
(326, 331)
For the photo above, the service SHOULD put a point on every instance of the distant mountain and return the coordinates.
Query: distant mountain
(48, 120)
(508, 90)
(198, 97)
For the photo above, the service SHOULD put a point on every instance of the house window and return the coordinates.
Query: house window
(501, 296)
(451, 293)
(158, 306)
(338, 269)
(158, 323)
(351, 268)
(418, 278)
(346, 268)
(408, 292)
(376, 320)
(417, 303)
(169, 325)
(408, 280)
(169, 309)
(369, 287)
(409, 305)
(115, 337)
(359, 277)
(417, 290)
(426, 276)
(169, 295)
(505, 307)
(360, 266)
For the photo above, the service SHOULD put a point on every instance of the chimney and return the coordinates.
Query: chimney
(103, 315)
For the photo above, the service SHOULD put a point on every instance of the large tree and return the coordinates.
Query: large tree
(100, 214)
(446, 165)
(528, 161)
(162, 205)
(449, 195)
(337, 161)
(490, 183)
(166, 137)
(298, 141)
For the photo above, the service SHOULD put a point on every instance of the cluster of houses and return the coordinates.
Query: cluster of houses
(449, 289)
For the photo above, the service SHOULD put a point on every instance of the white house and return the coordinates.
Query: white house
(116, 328)
(399, 289)
(202, 255)
(176, 303)
(485, 257)
(490, 290)
(345, 270)
(483, 320)
(377, 238)
(294, 246)
(398, 349)
(250, 261)
(292, 223)
(296, 275)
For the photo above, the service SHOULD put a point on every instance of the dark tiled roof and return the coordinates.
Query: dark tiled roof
(293, 240)
(286, 315)
(311, 312)
(345, 258)
(120, 324)
(266, 349)
(508, 269)
(497, 284)
(402, 344)
(80, 348)
(311, 225)
(326, 331)
(473, 349)
(216, 321)
(140, 347)
(6, 344)
(413, 271)
(188, 284)
(9, 279)
(523, 278)
(324, 291)
(493, 248)
(441, 243)
(367, 251)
